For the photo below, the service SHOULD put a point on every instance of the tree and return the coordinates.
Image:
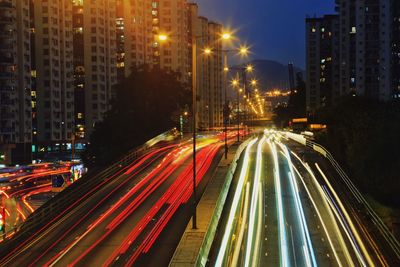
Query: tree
(363, 134)
(146, 104)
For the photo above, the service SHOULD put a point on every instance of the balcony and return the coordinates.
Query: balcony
(6, 88)
(5, 4)
(7, 116)
(6, 75)
(5, 45)
(6, 60)
(6, 102)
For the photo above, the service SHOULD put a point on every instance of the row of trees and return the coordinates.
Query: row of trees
(364, 135)
(146, 103)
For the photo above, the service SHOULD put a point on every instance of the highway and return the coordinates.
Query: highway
(18, 185)
(119, 222)
(286, 208)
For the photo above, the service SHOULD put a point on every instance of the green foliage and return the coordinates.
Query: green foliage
(146, 104)
(364, 134)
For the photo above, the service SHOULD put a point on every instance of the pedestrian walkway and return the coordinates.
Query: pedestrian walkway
(189, 247)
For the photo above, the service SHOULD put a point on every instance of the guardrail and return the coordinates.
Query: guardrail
(382, 227)
(58, 205)
(205, 248)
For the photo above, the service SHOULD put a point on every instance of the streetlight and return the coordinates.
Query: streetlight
(244, 70)
(249, 68)
(243, 50)
(163, 38)
(207, 51)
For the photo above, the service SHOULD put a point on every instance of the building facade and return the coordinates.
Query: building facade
(367, 44)
(143, 22)
(95, 59)
(395, 49)
(209, 69)
(363, 52)
(15, 80)
(322, 52)
(216, 75)
(53, 48)
(61, 59)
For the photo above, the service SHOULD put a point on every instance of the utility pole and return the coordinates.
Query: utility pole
(194, 89)
(226, 105)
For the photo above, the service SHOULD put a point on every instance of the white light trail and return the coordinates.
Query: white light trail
(300, 212)
(320, 218)
(238, 244)
(235, 203)
(347, 216)
(254, 204)
(328, 209)
(283, 248)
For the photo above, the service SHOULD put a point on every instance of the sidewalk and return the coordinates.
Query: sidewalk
(188, 249)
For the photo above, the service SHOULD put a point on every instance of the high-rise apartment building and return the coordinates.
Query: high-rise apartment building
(15, 79)
(395, 47)
(209, 68)
(53, 47)
(322, 52)
(366, 36)
(216, 75)
(373, 49)
(143, 22)
(120, 39)
(95, 64)
(347, 45)
(366, 49)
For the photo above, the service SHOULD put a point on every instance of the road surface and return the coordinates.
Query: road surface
(286, 209)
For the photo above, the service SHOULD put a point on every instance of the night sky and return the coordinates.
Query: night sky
(274, 28)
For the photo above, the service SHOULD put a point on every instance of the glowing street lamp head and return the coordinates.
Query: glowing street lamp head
(207, 51)
(235, 82)
(243, 51)
(162, 37)
(226, 69)
(226, 36)
(254, 82)
(249, 68)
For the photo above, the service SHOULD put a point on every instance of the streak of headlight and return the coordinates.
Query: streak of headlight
(320, 218)
(254, 203)
(300, 212)
(327, 205)
(235, 203)
(353, 229)
(283, 248)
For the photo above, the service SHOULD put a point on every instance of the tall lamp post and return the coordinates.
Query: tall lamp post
(164, 38)
(194, 104)
(244, 71)
(243, 50)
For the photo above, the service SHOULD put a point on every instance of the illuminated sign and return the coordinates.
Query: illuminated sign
(298, 120)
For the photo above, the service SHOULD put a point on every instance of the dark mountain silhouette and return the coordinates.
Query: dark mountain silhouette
(270, 74)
